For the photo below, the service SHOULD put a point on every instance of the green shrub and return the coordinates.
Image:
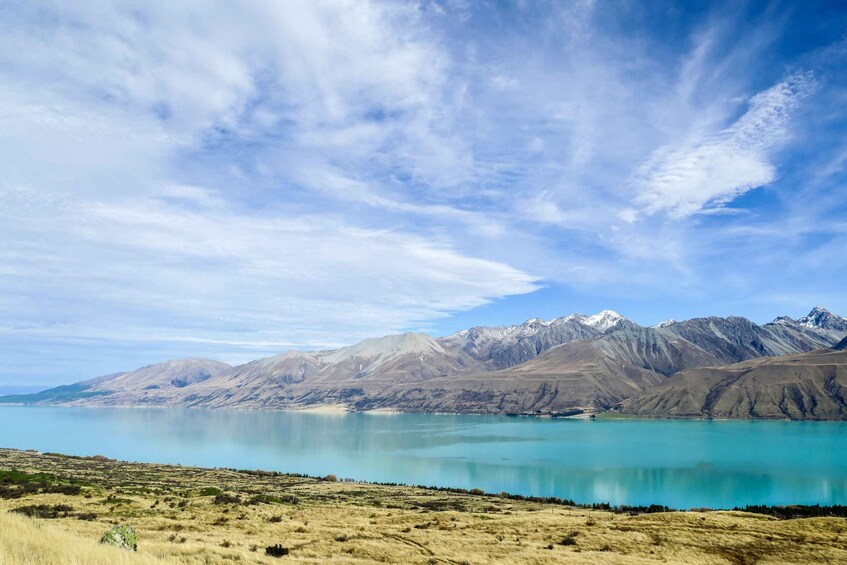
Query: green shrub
(210, 491)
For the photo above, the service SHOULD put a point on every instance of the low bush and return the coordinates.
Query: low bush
(569, 539)
(100, 458)
(210, 491)
(45, 511)
(276, 551)
(225, 498)
(271, 499)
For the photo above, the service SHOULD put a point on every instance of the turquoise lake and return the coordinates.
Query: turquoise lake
(682, 464)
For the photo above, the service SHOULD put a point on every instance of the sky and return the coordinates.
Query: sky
(234, 179)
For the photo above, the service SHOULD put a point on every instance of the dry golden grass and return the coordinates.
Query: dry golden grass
(26, 541)
(336, 522)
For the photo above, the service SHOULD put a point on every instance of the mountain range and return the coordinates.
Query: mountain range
(569, 365)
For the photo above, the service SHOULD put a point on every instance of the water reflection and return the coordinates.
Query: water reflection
(678, 463)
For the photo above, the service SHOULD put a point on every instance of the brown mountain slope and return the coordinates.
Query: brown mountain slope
(155, 384)
(591, 383)
(593, 375)
(339, 376)
(571, 377)
(803, 386)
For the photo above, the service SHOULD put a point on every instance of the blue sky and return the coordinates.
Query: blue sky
(231, 180)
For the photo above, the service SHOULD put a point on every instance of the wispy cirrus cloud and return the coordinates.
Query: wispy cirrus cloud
(710, 169)
(185, 174)
(185, 268)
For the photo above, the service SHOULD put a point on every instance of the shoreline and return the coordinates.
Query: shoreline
(341, 409)
(841, 509)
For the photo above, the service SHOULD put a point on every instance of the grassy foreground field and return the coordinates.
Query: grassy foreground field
(54, 508)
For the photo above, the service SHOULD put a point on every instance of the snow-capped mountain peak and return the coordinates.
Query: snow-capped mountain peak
(666, 323)
(536, 322)
(820, 317)
(604, 320)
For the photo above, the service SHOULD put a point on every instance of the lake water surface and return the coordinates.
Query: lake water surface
(682, 464)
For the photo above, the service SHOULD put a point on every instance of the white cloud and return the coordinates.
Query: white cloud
(503, 83)
(158, 262)
(117, 226)
(709, 170)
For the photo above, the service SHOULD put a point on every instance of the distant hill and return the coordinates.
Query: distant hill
(154, 384)
(570, 364)
(799, 387)
(16, 389)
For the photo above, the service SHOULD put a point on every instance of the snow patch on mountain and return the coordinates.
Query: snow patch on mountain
(820, 317)
(604, 320)
(480, 336)
(571, 318)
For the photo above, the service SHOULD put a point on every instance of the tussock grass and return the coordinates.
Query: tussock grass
(29, 541)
